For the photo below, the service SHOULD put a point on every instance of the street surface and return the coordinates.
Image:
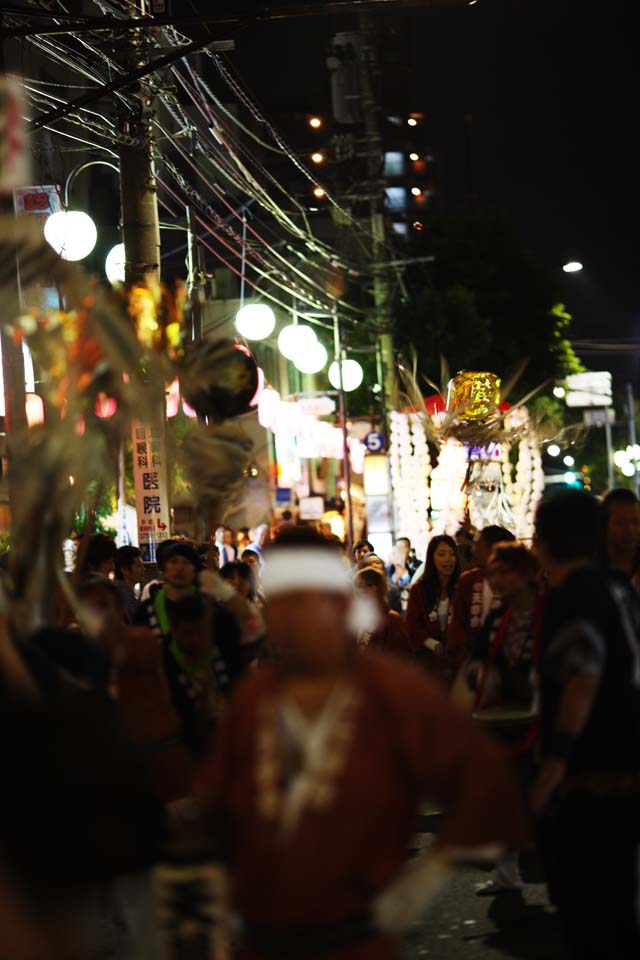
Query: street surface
(463, 926)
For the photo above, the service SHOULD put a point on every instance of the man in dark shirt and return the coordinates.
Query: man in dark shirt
(129, 574)
(201, 644)
(587, 795)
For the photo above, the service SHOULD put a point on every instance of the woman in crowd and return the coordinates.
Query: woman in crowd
(391, 634)
(431, 605)
(501, 675)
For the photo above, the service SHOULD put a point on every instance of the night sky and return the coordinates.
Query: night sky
(549, 90)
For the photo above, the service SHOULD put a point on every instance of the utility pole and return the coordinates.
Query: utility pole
(375, 158)
(141, 238)
(633, 440)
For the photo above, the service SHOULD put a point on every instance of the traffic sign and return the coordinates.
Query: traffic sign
(374, 442)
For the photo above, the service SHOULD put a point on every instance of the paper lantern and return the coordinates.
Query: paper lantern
(105, 406)
(295, 339)
(34, 408)
(71, 233)
(114, 264)
(312, 360)
(352, 375)
(172, 398)
(474, 395)
(255, 321)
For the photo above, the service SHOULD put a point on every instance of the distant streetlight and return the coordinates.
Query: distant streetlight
(315, 122)
(553, 450)
(412, 122)
(317, 157)
(416, 191)
(413, 156)
(573, 266)
(318, 192)
(559, 392)
(569, 461)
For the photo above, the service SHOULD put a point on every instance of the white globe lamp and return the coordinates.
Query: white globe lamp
(255, 321)
(295, 339)
(114, 264)
(313, 360)
(71, 233)
(352, 375)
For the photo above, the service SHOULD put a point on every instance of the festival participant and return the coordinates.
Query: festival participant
(391, 633)
(361, 549)
(474, 599)
(502, 675)
(260, 539)
(320, 768)
(201, 639)
(588, 789)
(620, 549)
(394, 595)
(129, 575)
(430, 607)
(226, 551)
(96, 554)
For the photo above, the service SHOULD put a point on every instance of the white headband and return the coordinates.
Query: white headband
(304, 568)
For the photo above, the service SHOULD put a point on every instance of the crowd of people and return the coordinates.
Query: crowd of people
(266, 709)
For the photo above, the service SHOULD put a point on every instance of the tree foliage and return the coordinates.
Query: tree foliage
(485, 303)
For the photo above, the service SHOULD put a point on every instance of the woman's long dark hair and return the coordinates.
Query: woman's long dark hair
(429, 582)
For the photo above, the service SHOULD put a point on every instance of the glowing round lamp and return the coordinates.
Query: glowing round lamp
(34, 408)
(574, 266)
(71, 233)
(312, 360)
(255, 321)
(570, 477)
(114, 264)
(352, 375)
(553, 450)
(569, 461)
(295, 339)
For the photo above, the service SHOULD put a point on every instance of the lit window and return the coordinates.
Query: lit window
(396, 198)
(393, 164)
(396, 121)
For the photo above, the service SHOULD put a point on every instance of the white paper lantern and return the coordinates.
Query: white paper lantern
(313, 359)
(352, 375)
(255, 321)
(114, 264)
(295, 339)
(71, 233)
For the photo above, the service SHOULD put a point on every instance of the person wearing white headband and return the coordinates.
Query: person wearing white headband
(320, 767)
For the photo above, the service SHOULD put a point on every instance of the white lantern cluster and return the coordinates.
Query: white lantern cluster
(410, 467)
(448, 497)
(313, 438)
(255, 321)
(299, 343)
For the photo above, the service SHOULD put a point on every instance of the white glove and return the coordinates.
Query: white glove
(410, 894)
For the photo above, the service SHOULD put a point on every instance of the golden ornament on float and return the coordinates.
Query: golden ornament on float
(474, 395)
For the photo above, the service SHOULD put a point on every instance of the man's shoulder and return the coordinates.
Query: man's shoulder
(395, 681)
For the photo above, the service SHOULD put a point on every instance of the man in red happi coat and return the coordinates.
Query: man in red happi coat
(319, 770)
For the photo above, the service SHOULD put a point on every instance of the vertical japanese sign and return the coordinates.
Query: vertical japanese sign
(152, 503)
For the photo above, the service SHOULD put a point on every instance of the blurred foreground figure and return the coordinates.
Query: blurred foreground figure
(588, 790)
(319, 770)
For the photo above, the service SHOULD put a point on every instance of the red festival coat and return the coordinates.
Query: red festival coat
(408, 743)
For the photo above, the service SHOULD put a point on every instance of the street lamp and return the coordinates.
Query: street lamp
(255, 321)
(312, 360)
(295, 340)
(553, 450)
(114, 264)
(573, 266)
(71, 233)
(352, 375)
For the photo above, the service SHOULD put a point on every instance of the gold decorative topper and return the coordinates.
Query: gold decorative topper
(473, 395)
